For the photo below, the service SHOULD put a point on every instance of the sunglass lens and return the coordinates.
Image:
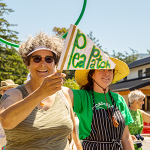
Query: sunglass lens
(49, 59)
(37, 59)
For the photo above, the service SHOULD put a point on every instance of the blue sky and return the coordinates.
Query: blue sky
(118, 24)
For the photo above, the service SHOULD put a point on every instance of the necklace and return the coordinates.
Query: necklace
(42, 102)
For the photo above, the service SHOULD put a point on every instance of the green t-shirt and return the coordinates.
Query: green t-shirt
(83, 104)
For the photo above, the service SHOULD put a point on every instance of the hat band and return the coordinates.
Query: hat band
(41, 48)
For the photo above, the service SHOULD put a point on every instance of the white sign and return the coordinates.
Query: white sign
(81, 53)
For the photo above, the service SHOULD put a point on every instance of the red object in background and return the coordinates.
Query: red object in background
(146, 128)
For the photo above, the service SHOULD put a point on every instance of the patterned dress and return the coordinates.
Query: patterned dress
(137, 126)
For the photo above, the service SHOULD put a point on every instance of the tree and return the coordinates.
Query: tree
(148, 51)
(60, 31)
(126, 57)
(11, 64)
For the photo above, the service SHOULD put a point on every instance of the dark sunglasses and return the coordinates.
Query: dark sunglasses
(37, 59)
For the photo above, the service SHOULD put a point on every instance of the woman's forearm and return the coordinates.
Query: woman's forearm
(77, 141)
(127, 140)
(128, 144)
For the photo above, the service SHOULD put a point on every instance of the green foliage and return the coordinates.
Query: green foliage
(5, 32)
(72, 84)
(69, 73)
(126, 57)
(11, 64)
(60, 31)
(148, 51)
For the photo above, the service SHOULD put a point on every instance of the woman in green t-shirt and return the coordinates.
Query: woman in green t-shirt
(103, 115)
(136, 99)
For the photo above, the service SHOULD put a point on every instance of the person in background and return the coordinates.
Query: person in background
(5, 85)
(103, 115)
(136, 100)
(38, 114)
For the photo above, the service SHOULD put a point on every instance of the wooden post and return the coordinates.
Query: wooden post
(67, 49)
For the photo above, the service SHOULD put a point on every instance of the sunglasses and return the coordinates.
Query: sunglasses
(37, 59)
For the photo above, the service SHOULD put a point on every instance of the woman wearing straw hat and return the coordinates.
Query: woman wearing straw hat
(104, 116)
(36, 115)
(6, 85)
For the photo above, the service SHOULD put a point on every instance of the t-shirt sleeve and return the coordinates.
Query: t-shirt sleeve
(121, 104)
(78, 100)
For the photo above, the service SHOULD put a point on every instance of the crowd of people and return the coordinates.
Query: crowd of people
(39, 113)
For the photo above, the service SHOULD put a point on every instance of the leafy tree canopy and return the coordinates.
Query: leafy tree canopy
(60, 31)
(11, 64)
(125, 57)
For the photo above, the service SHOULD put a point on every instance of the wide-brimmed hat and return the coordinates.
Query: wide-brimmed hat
(121, 71)
(7, 83)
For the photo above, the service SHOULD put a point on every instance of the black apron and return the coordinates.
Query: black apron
(104, 136)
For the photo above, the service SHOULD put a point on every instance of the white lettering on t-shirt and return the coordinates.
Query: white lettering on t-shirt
(101, 105)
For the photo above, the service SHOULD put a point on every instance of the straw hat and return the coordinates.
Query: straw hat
(8, 83)
(121, 71)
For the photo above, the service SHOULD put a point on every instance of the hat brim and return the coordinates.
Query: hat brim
(42, 49)
(121, 71)
(13, 86)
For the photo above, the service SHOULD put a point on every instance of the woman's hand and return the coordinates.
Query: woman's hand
(51, 84)
(133, 137)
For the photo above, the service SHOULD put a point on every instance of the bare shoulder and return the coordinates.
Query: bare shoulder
(10, 97)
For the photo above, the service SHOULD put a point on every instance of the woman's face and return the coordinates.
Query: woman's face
(103, 77)
(140, 102)
(41, 69)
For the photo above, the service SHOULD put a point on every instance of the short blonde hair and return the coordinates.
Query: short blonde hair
(135, 95)
(41, 39)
